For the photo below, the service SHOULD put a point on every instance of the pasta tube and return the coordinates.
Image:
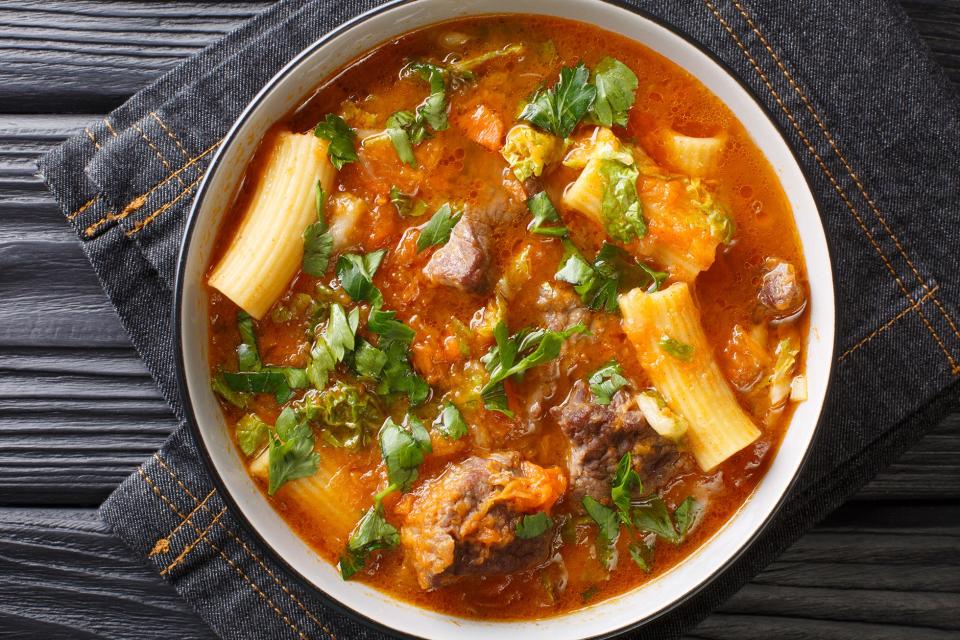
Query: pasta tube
(664, 328)
(323, 494)
(267, 248)
(696, 157)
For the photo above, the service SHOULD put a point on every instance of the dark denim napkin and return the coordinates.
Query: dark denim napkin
(872, 120)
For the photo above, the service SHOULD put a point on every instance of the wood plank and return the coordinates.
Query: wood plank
(83, 583)
(72, 56)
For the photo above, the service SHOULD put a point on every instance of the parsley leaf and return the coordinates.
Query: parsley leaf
(368, 361)
(404, 132)
(331, 346)
(450, 422)
(606, 381)
(543, 211)
(687, 514)
(252, 433)
(437, 230)
(248, 356)
(642, 554)
(677, 349)
(317, 241)
(259, 382)
(532, 526)
(616, 90)
(620, 205)
(338, 132)
(402, 448)
(651, 514)
(560, 108)
(605, 517)
(433, 110)
(625, 481)
(371, 533)
(291, 450)
(222, 389)
(405, 204)
(356, 275)
(398, 375)
(532, 346)
(612, 271)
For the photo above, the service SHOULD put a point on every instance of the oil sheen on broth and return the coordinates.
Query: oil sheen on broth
(456, 408)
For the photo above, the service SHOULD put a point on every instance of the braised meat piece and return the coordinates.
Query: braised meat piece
(464, 521)
(599, 436)
(464, 261)
(780, 291)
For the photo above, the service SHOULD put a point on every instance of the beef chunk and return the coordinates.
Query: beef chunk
(599, 436)
(464, 262)
(464, 521)
(780, 291)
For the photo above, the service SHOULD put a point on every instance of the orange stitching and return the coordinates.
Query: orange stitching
(110, 127)
(157, 151)
(83, 207)
(170, 133)
(248, 550)
(889, 323)
(189, 515)
(140, 200)
(190, 547)
(92, 139)
(843, 160)
(954, 367)
(223, 555)
(143, 223)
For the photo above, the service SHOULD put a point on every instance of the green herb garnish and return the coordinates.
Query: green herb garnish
(677, 349)
(543, 212)
(531, 526)
(317, 241)
(605, 518)
(437, 230)
(291, 450)
(332, 344)
(686, 515)
(616, 90)
(356, 275)
(606, 381)
(450, 422)
(626, 481)
(402, 448)
(338, 132)
(406, 205)
(612, 271)
(372, 532)
(560, 108)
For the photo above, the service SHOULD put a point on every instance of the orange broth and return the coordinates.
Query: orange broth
(454, 167)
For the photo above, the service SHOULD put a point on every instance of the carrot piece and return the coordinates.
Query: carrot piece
(483, 126)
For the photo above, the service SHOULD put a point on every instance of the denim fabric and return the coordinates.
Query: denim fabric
(871, 118)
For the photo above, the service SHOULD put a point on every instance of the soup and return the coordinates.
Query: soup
(508, 317)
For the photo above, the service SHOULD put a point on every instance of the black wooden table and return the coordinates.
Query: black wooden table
(78, 411)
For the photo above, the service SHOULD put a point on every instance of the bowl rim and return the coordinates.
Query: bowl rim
(178, 304)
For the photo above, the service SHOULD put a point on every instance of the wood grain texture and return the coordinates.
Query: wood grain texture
(78, 411)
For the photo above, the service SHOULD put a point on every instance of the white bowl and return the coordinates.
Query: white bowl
(286, 91)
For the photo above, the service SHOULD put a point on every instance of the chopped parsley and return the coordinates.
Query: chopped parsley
(687, 514)
(616, 91)
(406, 205)
(438, 228)
(605, 518)
(606, 381)
(531, 526)
(560, 108)
(372, 532)
(332, 344)
(543, 212)
(291, 451)
(403, 448)
(356, 275)
(450, 422)
(677, 349)
(338, 132)
(612, 271)
(317, 241)
(625, 482)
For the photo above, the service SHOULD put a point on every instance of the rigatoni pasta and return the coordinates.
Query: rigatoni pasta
(664, 327)
(267, 248)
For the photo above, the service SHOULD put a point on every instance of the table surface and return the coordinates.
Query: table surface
(78, 411)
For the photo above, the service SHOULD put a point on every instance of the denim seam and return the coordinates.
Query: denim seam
(156, 150)
(86, 205)
(170, 134)
(186, 520)
(193, 545)
(166, 205)
(140, 200)
(873, 334)
(109, 127)
(843, 160)
(253, 555)
(256, 589)
(954, 367)
(93, 138)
